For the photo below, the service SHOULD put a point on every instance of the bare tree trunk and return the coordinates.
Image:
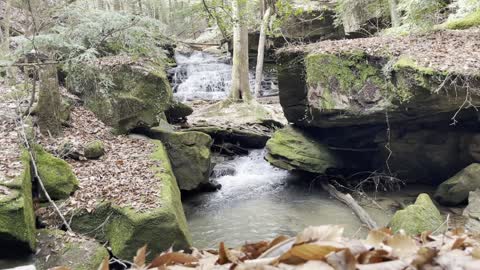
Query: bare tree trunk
(395, 17)
(6, 27)
(240, 82)
(49, 102)
(261, 53)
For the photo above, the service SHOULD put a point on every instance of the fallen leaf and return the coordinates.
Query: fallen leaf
(424, 256)
(376, 237)
(254, 250)
(139, 259)
(320, 233)
(105, 264)
(225, 256)
(171, 259)
(342, 260)
(374, 256)
(306, 252)
(402, 245)
(391, 265)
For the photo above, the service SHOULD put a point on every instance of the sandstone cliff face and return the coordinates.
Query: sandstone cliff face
(405, 105)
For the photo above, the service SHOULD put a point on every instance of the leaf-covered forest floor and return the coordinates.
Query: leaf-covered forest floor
(123, 175)
(446, 51)
(10, 164)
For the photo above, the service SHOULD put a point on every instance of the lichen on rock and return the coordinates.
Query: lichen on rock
(417, 218)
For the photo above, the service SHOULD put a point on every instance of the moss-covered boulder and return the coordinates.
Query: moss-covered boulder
(57, 175)
(127, 229)
(189, 154)
(138, 95)
(94, 149)
(293, 149)
(17, 218)
(455, 190)
(56, 248)
(417, 218)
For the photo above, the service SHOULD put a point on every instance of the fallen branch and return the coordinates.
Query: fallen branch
(350, 202)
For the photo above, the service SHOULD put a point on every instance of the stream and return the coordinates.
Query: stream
(257, 201)
(260, 202)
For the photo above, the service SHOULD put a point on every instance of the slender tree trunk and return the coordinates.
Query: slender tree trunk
(117, 6)
(395, 17)
(240, 82)
(261, 53)
(49, 102)
(6, 28)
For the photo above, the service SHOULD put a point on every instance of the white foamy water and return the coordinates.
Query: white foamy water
(203, 76)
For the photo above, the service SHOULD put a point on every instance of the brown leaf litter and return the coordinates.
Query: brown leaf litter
(123, 176)
(325, 248)
(10, 165)
(448, 51)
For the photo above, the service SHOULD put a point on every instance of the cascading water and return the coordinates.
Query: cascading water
(208, 77)
(260, 201)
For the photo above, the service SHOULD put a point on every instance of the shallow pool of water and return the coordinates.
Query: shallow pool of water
(260, 202)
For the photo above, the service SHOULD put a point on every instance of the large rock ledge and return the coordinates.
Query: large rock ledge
(355, 82)
(127, 229)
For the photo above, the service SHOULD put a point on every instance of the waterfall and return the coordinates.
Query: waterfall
(203, 76)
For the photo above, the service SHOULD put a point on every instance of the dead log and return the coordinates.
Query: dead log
(350, 202)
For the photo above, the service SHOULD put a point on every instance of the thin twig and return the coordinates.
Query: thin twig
(37, 175)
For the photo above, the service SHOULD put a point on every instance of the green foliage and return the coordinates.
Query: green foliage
(80, 36)
(421, 14)
(285, 11)
(353, 13)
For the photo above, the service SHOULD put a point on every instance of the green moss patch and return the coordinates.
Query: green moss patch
(291, 149)
(17, 218)
(334, 78)
(57, 175)
(94, 149)
(466, 22)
